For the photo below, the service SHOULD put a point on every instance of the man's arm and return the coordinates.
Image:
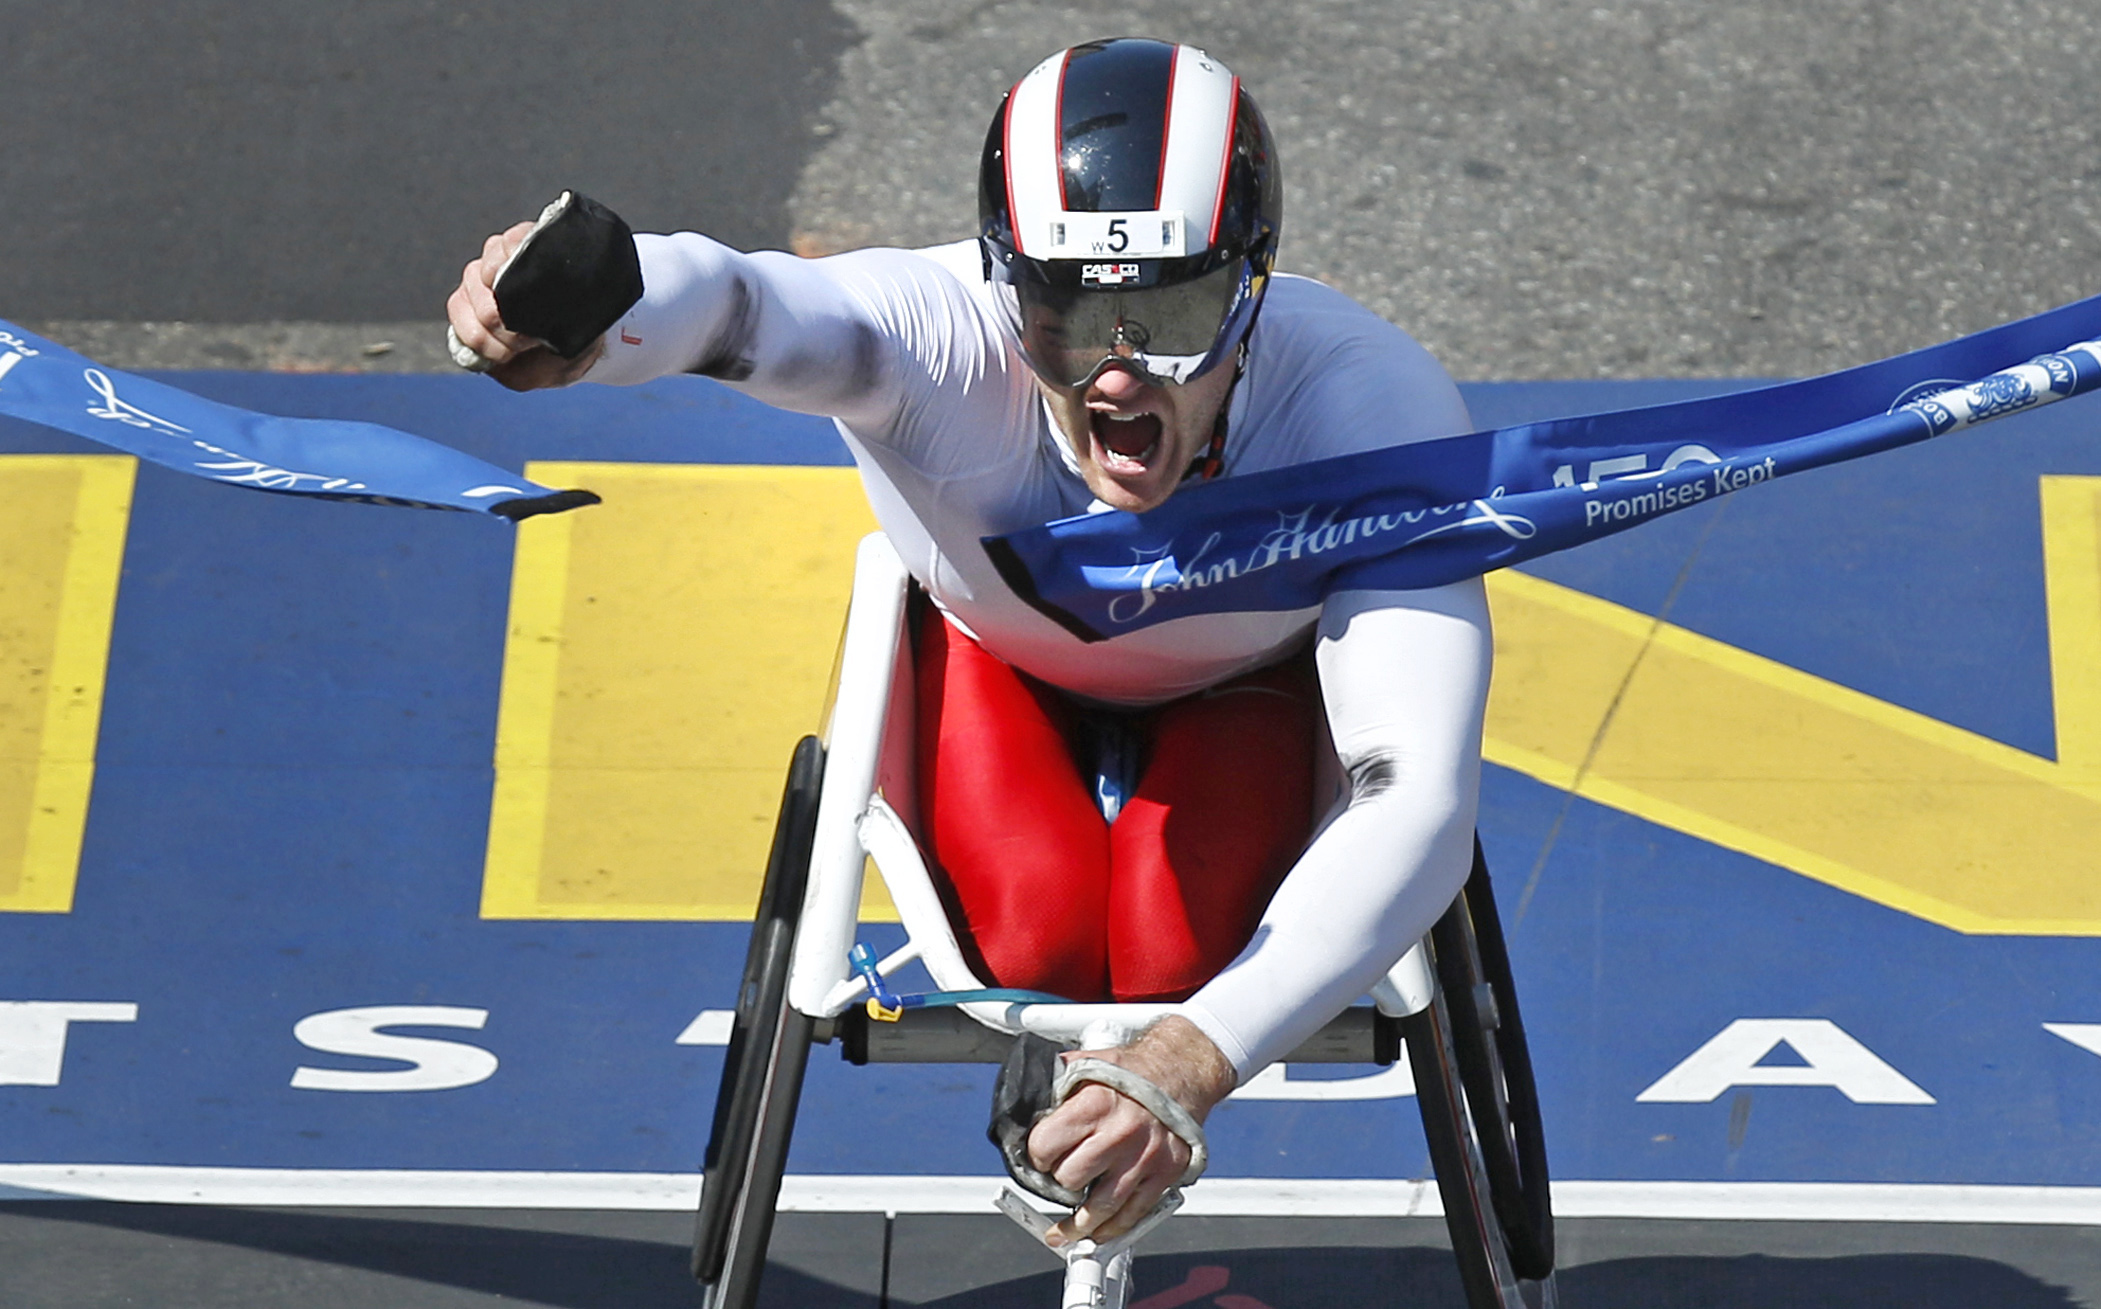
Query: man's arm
(856, 337)
(1405, 678)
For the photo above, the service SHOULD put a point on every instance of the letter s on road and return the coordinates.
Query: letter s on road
(434, 1065)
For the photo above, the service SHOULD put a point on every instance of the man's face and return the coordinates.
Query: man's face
(1133, 438)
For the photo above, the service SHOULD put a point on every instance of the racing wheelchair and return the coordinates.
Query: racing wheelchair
(1448, 1003)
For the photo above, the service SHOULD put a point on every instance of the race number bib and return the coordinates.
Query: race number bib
(1159, 234)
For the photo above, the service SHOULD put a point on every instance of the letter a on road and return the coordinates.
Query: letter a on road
(1830, 1058)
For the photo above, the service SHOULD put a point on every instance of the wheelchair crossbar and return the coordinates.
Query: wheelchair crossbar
(1359, 1035)
(920, 1036)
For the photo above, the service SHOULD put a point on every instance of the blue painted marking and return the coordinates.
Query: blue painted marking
(294, 784)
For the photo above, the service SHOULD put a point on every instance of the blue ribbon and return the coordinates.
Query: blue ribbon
(1426, 514)
(47, 384)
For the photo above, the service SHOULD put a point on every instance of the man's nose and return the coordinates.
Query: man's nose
(1118, 384)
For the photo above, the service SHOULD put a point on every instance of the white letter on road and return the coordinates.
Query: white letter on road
(1833, 1059)
(1273, 1083)
(33, 1036)
(434, 1065)
(711, 1027)
(2087, 1036)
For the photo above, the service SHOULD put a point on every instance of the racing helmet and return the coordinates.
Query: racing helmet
(1128, 207)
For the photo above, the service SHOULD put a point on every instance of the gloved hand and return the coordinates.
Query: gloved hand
(534, 309)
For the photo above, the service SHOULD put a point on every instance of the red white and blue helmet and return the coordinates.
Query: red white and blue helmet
(1128, 208)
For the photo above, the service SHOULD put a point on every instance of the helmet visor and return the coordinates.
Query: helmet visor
(1171, 333)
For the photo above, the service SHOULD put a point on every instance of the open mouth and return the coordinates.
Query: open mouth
(1124, 442)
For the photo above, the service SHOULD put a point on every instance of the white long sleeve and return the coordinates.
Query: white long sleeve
(1405, 677)
(855, 337)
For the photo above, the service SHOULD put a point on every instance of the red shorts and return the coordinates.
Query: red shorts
(1052, 898)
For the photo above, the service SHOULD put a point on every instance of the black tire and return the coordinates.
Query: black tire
(1480, 1110)
(762, 1070)
(1455, 1156)
(1495, 1066)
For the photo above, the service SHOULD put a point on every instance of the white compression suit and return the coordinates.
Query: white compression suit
(908, 352)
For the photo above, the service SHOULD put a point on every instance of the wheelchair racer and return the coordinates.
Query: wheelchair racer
(1114, 334)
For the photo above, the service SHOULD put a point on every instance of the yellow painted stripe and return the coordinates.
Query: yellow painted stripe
(61, 554)
(2072, 563)
(525, 714)
(665, 651)
(1755, 756)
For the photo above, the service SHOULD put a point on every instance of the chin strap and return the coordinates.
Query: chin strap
(1212, 461)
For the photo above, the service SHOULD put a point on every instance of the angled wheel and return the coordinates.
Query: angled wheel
(1495, 1065)
(762, 1070)
(1480, 1110)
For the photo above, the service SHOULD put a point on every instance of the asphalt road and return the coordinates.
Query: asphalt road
(1698, 187)
(85, 1255)
(230, 161)
(1670, 188)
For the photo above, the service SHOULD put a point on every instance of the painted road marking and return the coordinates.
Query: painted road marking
(664, 653)
(1275, 1082)
(295, 768)
(1203, 1280)
(950, 1194)
(1752, 755)
(61, 551)
(2087, 1036)
(709, 1027)
(33, 1035)
(1830, 1057)
(2071, 508)
(433, 1065)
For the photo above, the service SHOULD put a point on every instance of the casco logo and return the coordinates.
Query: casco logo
(1108, 274)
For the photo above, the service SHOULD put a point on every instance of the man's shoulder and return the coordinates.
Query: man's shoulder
(952, 272)
(1310, 293)
(1312, 329)
(1316, 314)
(927, 283)
(962, 260)
(1328, 377)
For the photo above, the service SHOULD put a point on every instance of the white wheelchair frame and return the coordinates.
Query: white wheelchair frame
(842, 808)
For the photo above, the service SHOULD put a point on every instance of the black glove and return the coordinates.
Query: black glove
(1020, 1099)
(575, 275)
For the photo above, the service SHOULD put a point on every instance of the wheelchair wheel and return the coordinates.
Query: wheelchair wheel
(1480, 1110)
(1495, 1065)
(762, 1070)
